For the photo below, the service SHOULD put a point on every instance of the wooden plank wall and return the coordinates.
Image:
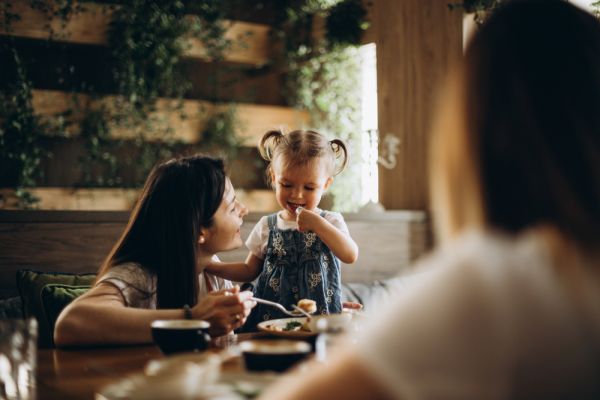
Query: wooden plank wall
(255, 119)
(417, 42)
(117, 199)
(78, 242)
(90, 26)
(81, 44)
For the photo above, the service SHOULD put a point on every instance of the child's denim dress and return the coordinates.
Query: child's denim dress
(298, 265)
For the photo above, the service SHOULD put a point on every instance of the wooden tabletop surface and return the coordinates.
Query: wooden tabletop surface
(80, 373)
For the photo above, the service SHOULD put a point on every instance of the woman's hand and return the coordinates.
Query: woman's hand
(226, 310)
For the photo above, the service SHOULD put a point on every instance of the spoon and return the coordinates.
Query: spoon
(294, 313)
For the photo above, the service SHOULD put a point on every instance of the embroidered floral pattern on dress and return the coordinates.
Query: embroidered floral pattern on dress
(269, 267)
(309, 239)
(325, 262)
(274, 284)
(266, 317)
(278, 245)
(314, 279)
(329, 295)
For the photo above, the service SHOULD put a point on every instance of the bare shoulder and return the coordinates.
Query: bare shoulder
(102, 293)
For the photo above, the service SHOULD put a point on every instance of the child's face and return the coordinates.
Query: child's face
(299, 186)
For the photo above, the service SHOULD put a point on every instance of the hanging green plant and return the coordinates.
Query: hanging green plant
(99, 162)
(21, 130)
(62, 10)
(219, 133)
(148, 40)
(346, 22)
(21, 151)
(209, 27)
(479, 8)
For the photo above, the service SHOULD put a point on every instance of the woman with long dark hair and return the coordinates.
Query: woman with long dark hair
(510, 305)
(186, 213)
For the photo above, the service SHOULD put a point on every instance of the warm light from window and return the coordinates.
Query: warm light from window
(369, 175)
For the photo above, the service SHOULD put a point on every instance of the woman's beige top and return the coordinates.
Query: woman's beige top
(492, 318)
(138, 286)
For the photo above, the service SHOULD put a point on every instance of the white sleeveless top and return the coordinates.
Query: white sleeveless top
(138, 286)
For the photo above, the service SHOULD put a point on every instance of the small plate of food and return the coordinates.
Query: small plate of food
(287, 327)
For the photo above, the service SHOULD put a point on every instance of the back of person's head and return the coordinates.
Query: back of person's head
(300, 148)
(179, 197)
(525, 148)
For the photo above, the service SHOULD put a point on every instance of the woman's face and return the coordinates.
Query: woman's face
(224, 234)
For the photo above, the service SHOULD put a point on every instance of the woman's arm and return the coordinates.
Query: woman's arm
(343, 377)
(237, 272)
(340, 243)
(101, 317)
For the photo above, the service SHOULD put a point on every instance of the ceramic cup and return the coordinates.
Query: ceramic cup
(272, 354)
(180, 335)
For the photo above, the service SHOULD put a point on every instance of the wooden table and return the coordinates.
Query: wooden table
(79, 373)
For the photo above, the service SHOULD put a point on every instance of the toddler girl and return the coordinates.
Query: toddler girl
(296, 251)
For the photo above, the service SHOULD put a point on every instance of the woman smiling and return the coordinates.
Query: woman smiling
(187, 212)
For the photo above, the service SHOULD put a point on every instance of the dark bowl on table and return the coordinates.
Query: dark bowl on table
(180, 335)
(273, 354)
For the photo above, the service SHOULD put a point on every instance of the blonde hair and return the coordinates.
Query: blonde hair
(301, 147)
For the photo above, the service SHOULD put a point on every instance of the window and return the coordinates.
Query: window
(369, 145)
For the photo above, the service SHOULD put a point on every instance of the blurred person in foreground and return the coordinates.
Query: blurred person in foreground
(510, 305)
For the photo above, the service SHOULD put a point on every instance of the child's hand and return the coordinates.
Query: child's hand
(308, 220)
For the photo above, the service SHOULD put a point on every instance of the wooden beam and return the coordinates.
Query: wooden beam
(117, 199)
(417, 43)
(251, 42)
(254, 120)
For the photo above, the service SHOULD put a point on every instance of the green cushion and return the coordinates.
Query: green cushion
(55, 297)
(30, 284)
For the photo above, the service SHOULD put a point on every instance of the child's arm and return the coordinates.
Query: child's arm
(237, 272)
(340, 243)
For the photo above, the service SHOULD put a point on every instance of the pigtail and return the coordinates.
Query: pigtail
(339, 150)
(268, 142)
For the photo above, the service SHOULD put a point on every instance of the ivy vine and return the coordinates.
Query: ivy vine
(147, 40)
(21, 151)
